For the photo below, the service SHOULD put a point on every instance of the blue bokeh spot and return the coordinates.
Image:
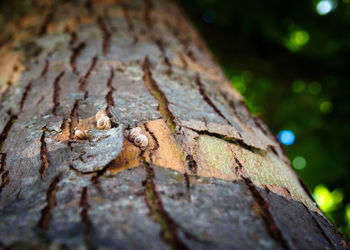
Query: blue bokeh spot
(286, 137)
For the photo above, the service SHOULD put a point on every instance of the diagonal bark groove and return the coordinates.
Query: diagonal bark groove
(169, 227)
(75, 54)
(106, 35)
(109, 96)
(158, 94)
(56, 92)
(269, 221)
(43, 156)
(46, 212)
(84, 78)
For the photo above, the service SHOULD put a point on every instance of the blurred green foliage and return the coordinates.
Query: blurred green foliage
(291, 61)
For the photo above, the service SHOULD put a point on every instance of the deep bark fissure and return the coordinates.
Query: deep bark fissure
(73, 38)
(156, 143)
(238, 169)
(320, 228)
(188, 186)
(207, 99)
(45, 68)
(46, 212)
(56, 92)
(43, 27)
(3, 172)
(4, 180)
(85, 77)
(2, 162)
(106, 36)
(44, 156)
(158, 94)
(109, 96)
(7, 128)
(191, 164)
(231, 140)
(160, 44)
(25, 94)
(266, 214)
(74, 56)
(169, 227)
(84, 214)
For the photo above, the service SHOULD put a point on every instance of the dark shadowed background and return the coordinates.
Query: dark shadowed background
(291, 62)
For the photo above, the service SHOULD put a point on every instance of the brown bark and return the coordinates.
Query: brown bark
(212, 175)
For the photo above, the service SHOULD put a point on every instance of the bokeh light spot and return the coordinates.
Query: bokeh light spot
(299, 162)
(286, 137)
(328, 201)
(209, 16)
(347, 212)
(324, 7)
(297, 39)
(325, 106)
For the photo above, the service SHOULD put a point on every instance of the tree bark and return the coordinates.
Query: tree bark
(212, 175)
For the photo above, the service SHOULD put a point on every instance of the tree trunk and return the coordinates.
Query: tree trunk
(212, 175)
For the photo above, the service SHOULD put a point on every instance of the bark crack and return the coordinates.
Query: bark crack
(7, 128)
(207, 99)
(109, 96)
(46, 212)
(84, 78)
(43, 156)
(25, 94)
(106, 36)
(45, 68)
(188, 186)
(74, 56)
(85, 210)
(159, 95)
(160, 46)
(43, 27)
(191, 163)
(2, 162)
(169, 228)
(266, 214)
(239, 167)
(73, 38)
(3, 172)
(4, 180)
(156, 143)
(231, 140)
(320, 228)
(56, 92)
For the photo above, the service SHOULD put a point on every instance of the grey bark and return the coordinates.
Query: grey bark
(143, 63)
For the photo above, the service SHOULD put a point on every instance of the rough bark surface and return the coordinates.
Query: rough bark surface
(212, 175)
